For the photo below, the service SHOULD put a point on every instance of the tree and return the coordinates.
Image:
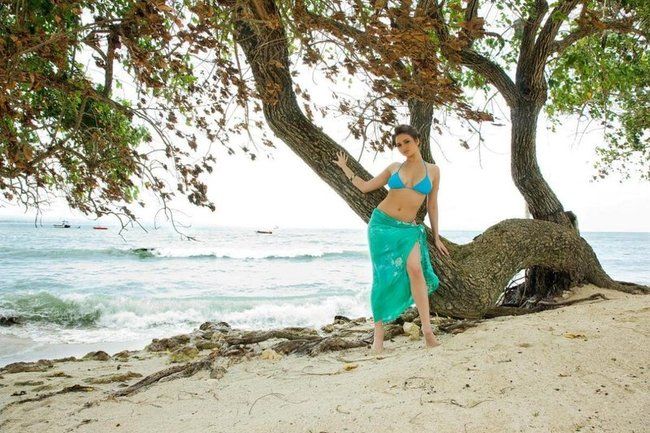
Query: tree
(184, 57)
(476, 276)
(594, 54)
(63, 130)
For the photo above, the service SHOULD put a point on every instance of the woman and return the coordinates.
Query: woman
(402, 270)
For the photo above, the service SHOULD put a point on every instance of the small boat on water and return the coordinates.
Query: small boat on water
(267, 232)
(100, 228)
(64, 225)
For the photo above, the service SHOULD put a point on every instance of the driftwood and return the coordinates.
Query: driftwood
(184, 370)
(237, 345)
(73, 388)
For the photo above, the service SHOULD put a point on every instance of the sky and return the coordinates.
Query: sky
(476, 188)
(474, 193)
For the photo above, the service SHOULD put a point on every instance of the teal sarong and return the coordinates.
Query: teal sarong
(390, 241)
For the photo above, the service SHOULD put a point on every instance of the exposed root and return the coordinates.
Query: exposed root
(628, 287)
(540, 306)
(184, 370)
(73, 388)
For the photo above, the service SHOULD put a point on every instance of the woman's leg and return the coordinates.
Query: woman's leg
(419, 293)
(378, 343)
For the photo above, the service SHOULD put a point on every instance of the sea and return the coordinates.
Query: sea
(78, 289)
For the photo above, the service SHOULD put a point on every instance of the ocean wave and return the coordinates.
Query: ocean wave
(250, 254)
(48, 318)
(69, 253)
(188, 253)
(44, 307)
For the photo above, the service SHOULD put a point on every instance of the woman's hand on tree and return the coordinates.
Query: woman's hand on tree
(342, 160)
(441, 247)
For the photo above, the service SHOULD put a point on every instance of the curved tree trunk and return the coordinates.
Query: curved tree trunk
(543, 204)
(421, 118)
(474, 277)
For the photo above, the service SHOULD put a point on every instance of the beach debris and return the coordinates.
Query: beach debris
(163, 344)
(412, 330)
(290, 333)
(219, 326)
(183, 354)
(23, 367)
(66, 359)
(457, 326)
(235, 345)
(73, 388)
(328, 328)
(19, 393)
(99, 355)
(573, 336)
(123, 377)
(350, 366)
(183, 370)
(217, 372)
(40, 388)
(207, 345)
(270, 354)
(122, 356)
(58, 374)
(29, 383)
(10, 320)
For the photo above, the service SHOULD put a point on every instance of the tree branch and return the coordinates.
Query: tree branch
(468, 57)
(530, 30)
(359, 36)
(544, 42)
(625, 25)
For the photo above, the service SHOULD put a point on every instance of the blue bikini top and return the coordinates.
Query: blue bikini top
(423, 187)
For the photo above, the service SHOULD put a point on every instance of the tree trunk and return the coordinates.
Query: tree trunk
(421, 118)
(540, 282)
(474, 277)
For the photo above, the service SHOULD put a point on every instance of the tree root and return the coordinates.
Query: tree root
(175, 372)
(628, 287)
(540, 306)
(250, 337)
(73, 388)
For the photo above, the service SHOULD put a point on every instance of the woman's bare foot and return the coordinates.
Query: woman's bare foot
(378, 339)
(377, 347)
(430, 338)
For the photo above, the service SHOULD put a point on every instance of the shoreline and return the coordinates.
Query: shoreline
(581, 367)
(32, 351)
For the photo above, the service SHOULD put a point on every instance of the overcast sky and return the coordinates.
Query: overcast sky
(473, 195)
(476, 189)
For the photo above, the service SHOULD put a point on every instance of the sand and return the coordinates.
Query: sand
(580, 368)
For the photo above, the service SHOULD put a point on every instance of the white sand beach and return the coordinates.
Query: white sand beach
(579, 368)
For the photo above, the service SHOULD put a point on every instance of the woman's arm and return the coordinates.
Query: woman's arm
(378, 181)
(366, 186)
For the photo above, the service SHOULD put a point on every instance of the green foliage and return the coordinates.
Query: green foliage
(63, 131)
(607, 77)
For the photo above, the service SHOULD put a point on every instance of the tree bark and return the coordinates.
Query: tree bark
(474, 277)
(421, 119)
(543, 204)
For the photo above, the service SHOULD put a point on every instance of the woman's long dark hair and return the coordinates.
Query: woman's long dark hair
(404, 129)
